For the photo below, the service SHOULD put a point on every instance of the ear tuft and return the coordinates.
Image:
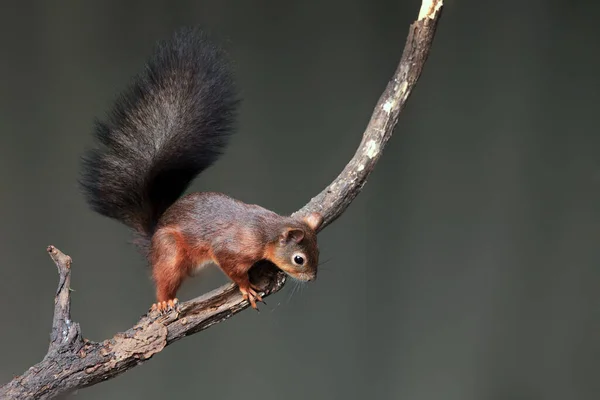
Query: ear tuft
(314, 220)
(291, 234)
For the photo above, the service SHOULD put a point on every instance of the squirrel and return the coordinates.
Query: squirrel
(171, 123)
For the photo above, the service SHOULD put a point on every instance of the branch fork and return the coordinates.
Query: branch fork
(73, 362)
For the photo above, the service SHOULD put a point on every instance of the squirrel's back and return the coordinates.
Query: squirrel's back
(170, 124)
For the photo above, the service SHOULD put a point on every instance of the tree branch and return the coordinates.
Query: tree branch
(73, 362)
(334, 199)
(65, 332)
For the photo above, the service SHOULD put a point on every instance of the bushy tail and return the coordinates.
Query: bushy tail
(170, 124)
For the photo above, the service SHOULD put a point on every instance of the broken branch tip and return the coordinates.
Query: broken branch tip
(429, 9)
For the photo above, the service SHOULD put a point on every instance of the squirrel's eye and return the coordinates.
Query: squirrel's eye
(298, 259)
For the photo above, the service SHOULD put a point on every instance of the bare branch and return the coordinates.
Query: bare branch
(73, 362)
(65, 332)
(336, 197)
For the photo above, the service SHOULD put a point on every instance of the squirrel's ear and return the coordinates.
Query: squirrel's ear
(291, 234)
(314, 220)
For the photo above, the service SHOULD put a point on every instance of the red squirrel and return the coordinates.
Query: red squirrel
(170, 124)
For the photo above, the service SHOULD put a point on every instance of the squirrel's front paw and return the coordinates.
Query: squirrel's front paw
(165, 306)
(252, 296)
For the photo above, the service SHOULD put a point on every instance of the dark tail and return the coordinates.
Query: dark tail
(172, 122)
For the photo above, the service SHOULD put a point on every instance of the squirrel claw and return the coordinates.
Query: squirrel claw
(165, 306)
(252, 296)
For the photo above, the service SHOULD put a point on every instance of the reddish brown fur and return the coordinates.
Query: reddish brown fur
(205, 227)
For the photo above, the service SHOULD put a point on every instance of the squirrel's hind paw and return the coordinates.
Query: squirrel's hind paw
(165, 306)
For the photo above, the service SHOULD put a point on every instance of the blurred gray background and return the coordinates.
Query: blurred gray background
(467, 269)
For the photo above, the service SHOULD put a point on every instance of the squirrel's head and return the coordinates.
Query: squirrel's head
(295, 251)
